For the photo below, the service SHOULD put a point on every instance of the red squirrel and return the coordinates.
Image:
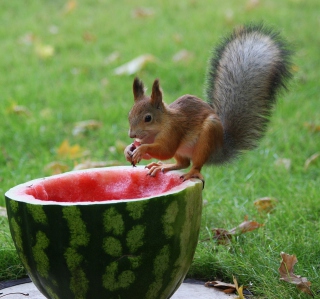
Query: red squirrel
(245, 74)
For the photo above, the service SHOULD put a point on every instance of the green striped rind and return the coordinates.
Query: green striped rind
(134, 249)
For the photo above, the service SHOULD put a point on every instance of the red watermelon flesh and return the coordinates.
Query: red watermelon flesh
(102, 185)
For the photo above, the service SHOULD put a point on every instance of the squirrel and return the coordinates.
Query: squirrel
(246, 72)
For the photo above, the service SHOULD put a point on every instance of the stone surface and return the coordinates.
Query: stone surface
(188, 290)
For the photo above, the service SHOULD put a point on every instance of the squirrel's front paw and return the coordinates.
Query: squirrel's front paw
(137, 155)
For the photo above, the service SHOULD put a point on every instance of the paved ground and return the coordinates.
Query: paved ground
(186, 291)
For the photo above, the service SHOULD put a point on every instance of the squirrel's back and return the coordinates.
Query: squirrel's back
(245, 74)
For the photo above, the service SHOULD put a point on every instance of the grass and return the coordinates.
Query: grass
(77, 84)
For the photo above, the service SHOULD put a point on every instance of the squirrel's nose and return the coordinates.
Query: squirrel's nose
(132, 134)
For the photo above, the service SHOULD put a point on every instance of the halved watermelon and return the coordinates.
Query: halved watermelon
(106, 233)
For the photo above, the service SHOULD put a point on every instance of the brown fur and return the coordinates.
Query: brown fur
(245, 74)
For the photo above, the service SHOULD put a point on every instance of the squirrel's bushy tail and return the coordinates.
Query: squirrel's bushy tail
(245, 74)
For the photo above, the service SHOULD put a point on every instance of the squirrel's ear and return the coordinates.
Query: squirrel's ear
(138, 89)
(156, 95)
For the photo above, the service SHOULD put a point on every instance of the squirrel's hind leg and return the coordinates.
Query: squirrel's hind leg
(154, 167)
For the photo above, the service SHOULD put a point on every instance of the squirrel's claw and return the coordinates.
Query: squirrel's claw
(193, 173)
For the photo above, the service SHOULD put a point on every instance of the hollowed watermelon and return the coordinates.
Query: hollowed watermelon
(106, 233)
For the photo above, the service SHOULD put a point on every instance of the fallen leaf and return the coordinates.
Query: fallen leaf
(286, 273)
(114, 56)
(142, 12)
(65, 150)
(134, 65)
(227, 288)
(89, 37)
(85, 126)
(265, 204)
(229, 16)
(311, 160)
(251, 4)
(286, 163)
(44, 51)
(3, 212)
(224, 236)
(245, 226)
(177, 37)
(312, 127)
(239, 289)
(56, 167)
(96, 164)
(53, 29)
(295, 68)
(18, 109)
(27, 39)
(70, 6)
(183, 55)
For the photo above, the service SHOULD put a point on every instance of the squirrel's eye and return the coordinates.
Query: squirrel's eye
(147, 118)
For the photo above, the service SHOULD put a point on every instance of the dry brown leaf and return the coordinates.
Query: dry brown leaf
(227, 288)
(312, 127)
(182, 55)
(27, 39)
(286, 273)
(245, 226)
(265, 204)
(134, 65)
(286, 163)
(142, 12)
(85, 126)
(114, 56)
(251, 4)
(224, 236)
(56, 167)
(311, 160)
(89, 37)
(66, 150)
(18, 109)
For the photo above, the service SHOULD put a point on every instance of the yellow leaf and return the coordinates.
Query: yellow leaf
(44, 51)
(239, 289)
(70, 6)
(265, 204)
(65, 150)
(56, 167)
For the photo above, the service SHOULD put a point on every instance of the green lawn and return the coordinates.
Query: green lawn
(56, 70)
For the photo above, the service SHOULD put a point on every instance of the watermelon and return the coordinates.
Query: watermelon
(106, 233)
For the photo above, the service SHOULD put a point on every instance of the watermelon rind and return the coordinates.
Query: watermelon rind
(128, 248)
